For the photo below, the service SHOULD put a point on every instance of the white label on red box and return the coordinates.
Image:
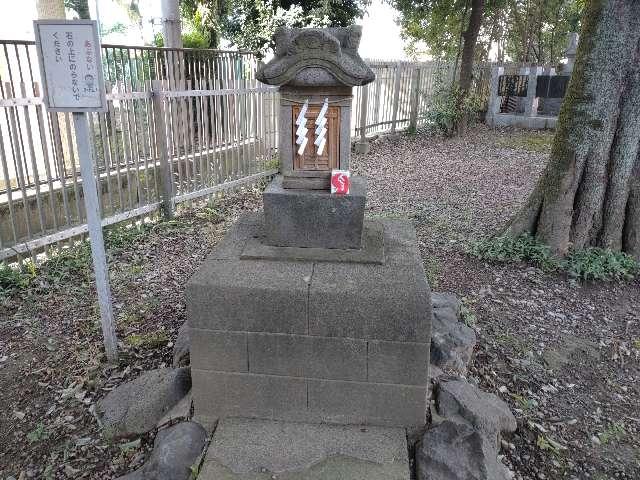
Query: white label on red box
(340, 182)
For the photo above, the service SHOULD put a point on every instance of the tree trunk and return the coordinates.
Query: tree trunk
(470, 39)
(589, 193)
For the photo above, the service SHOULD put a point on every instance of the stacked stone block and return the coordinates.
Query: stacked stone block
(335, 342)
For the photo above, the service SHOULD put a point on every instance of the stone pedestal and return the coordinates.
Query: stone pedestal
(314, 218)
(311, 335)
(243, 449)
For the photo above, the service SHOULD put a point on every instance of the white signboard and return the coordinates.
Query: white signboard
(70, 65)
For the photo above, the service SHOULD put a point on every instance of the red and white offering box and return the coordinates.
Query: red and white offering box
(340, 182)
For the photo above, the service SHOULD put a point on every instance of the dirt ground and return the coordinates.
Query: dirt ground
(564, 355)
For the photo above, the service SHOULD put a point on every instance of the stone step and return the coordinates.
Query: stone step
(249, 449)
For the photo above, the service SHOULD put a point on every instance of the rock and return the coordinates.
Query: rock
(452, 342)
(454, 450)
(465, 444)
(181, 412)
(182, 346)
(135, 407)
(484, 411)
(175, 451)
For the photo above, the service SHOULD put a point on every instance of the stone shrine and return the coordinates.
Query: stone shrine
(308, 312)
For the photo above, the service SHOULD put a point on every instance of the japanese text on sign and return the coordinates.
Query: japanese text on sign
(69, 54)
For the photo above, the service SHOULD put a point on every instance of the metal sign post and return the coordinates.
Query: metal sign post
(71, 71)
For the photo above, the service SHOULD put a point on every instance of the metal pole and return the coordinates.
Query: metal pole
(89, 187)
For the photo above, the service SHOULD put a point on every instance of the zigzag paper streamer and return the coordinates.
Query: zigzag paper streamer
(301, 132)
(321, 130)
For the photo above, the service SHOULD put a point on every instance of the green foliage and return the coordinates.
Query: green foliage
(521, 30)
(533, 142)
(589, 264)
(13, 279)
(450, 107)
(600, 264)
(192, 39)
(67, 263)
(250, 24)
(510, 249)
(148, 340)
(121, 237)
(614, 433)
(80, 7)
(38, 434)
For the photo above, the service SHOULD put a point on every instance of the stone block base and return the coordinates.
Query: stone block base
(330, 339)
(243, 449)
(314, 218)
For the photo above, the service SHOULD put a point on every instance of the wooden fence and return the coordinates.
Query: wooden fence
(181, 124)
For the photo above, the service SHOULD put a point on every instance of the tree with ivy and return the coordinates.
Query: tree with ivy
(589, 192)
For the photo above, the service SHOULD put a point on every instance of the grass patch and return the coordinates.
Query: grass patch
(148, 340)
(588, 264)
(539, 142)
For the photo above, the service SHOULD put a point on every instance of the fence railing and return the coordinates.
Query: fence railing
(218, 127)
(180, 124)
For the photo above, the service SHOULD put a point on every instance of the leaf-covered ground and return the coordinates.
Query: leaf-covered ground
(564, 355)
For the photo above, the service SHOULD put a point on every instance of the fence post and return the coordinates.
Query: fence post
(362, 146)
(531, 105)
(494, 96)
(166, 181)
(396, 96)
(415, 98)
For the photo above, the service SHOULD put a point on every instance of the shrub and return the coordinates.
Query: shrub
(448, 109)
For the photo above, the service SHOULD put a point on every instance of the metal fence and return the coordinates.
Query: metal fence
(202, 110)
(181, 124)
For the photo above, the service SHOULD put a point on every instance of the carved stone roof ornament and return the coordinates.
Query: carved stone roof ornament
(316, 57)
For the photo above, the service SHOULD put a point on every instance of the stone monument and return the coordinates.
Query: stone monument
(308, 312)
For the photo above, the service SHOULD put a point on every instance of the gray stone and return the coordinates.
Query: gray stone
(372, 250)
(220, 351)
(398, 362)
(453, 450)
(378, 302)
(217, 395)
(249, 295)
(484, 411)
(362, 147)
(307, 356)
(135, 407)
(175, 451)
(333, 401)
(316, 57)
(452, 342)
(244, 449)
(314, 218)
(179, 413)
(182, 346)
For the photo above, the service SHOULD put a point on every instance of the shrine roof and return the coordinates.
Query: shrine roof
(316, 57)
